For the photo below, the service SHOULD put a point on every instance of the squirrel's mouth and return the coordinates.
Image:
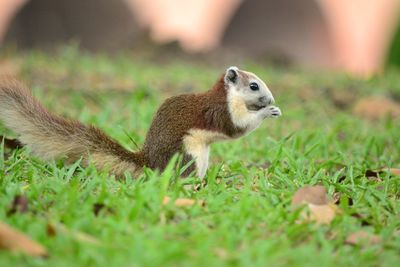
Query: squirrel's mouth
(256, 107)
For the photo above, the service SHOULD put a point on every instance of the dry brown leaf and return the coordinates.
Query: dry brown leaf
(13, 240)
(310, 194)
(362, 237)
(376, 107)
(320, 209)
(322, 214)
(183, 202)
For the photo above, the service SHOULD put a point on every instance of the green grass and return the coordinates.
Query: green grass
(393, 58)
(247, 219)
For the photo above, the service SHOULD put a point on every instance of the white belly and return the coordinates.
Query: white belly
(196, 144)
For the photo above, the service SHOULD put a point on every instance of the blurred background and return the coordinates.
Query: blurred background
(357, 36)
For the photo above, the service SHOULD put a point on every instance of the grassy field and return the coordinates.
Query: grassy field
(87, 218)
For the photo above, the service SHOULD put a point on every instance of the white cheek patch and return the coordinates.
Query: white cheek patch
(240, 115)
(238, 110)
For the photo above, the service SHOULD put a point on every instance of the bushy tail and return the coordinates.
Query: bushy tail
(50, 136)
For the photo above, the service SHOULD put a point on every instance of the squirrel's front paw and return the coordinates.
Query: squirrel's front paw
(274, 112)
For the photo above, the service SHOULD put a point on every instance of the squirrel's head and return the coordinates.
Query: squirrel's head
(247, 89)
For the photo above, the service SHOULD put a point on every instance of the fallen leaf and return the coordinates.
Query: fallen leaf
(183, 202)
(13, 240)
(322, 214)
(362, 237)
(376, 107)
(19, 204)
(320, 209)
(310, 194)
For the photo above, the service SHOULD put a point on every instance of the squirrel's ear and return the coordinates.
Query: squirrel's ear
(231, 75)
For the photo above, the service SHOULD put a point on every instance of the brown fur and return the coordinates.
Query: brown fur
(51, 136)
(178, 115)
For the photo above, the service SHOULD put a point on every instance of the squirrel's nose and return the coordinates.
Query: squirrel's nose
(266, 100)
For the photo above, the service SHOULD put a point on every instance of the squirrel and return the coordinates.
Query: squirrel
(236, 105)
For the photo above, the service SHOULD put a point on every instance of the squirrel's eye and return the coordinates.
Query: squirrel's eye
(254, 87)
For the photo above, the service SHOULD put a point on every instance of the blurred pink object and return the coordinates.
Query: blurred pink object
(362, 31)
(8, 8)
(197, 24)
